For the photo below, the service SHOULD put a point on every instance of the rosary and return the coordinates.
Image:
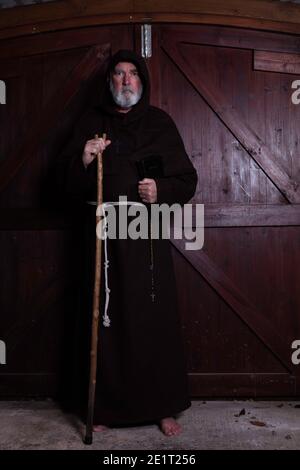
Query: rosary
(152, 295)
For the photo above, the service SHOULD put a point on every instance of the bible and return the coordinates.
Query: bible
(150, 167)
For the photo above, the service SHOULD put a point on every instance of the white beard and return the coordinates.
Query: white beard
(125, 98)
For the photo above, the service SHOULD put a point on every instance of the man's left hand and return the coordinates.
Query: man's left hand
(148, 190)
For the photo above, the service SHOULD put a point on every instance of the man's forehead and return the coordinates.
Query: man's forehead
(125, 66)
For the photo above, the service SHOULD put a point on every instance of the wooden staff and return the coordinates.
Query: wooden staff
(95, 319)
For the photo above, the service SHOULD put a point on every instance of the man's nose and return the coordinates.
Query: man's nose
(126, 79)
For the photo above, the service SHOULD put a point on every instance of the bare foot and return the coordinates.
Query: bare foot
(99, 428)
(170, 427)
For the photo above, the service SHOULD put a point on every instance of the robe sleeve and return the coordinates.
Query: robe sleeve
(176, 189)
(180, 180)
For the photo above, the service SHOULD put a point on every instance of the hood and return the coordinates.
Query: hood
(107, 103)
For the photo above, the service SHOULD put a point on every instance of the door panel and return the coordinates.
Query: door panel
(50, 81)
(238, 296)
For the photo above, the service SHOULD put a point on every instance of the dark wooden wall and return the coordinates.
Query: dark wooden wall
(239, 295)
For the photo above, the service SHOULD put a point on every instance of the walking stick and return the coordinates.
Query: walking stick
(95, 319)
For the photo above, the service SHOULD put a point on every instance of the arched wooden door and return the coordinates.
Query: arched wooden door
(230, 95)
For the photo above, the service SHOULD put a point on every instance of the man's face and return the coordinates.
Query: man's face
(125, 85)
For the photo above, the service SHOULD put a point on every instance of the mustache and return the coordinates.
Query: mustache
(127, 88)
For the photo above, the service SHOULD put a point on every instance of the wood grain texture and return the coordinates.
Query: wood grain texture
(277, 62)
(57, 41)
(247, 269)
(64, 14)
(185, 57)
(249, 215)
(39, 311)
(238, 38)
(247, 311)
(46, 117)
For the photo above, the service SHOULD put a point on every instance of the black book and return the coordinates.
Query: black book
(150, 167)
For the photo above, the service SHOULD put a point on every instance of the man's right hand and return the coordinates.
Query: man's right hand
(92, 148)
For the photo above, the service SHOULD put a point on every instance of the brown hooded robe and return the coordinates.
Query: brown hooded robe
(141, 368)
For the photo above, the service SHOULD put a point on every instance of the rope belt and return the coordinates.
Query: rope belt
(106, 319)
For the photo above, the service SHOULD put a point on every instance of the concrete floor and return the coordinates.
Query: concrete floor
(39, 425)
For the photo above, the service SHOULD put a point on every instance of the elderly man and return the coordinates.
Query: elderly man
(141, 375)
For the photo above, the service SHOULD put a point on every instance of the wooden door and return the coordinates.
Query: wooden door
(50, 80)
(239, 296)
